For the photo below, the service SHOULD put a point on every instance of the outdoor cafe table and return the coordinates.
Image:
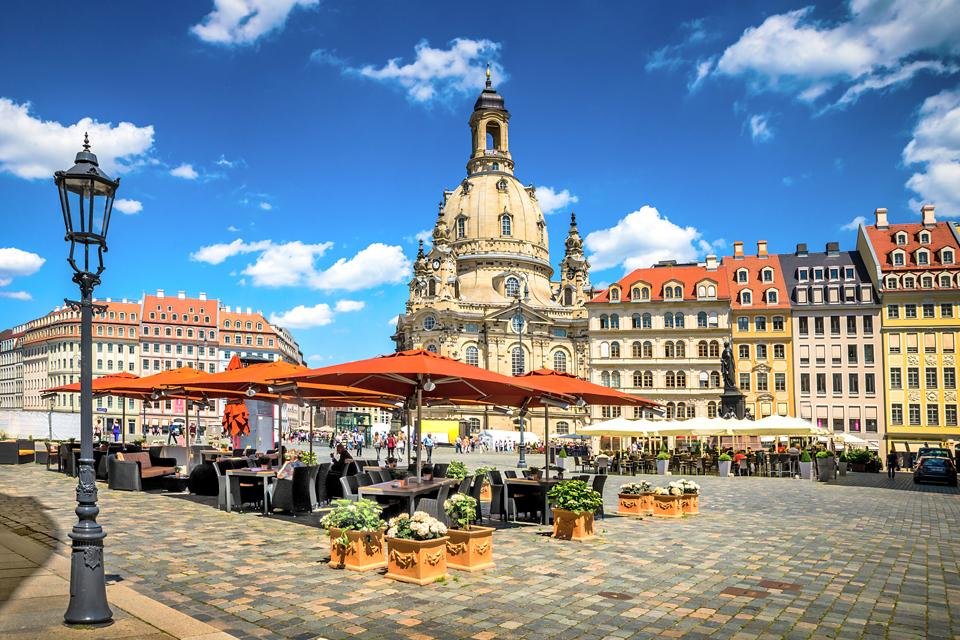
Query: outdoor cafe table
(544, 485)
(407, 490)
(264, 476)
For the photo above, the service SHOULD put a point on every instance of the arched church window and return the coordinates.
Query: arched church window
(511, 287)
(432, 348)
(506, 225)
(568, 297)
(495, 166)
(429, 323)
(432, 287)
(517, 364)
(560, 361)
(461, 227)
(473, 356)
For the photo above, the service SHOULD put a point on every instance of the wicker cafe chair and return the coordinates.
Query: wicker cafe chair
(465, 485)
(293, 495)
(434, 506)
(598, 482)
(350, 486)
(475, 494)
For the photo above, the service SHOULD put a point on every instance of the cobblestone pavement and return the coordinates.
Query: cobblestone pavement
(866, 557)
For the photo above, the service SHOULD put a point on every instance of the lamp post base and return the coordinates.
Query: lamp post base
(88, 591)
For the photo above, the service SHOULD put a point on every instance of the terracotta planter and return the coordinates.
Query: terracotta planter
(363, 552)
(486, 495)
(572, 525)
(667, 507)
(417, 561)
(470, 549)
(630, 504)
(646, 503)
(690, 504)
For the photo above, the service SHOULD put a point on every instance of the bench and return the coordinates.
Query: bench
(17, 451)
(128, 473)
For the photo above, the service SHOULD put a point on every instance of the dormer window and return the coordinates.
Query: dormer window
(614, 294)
(834, 273)
(635, 293)
(897, 258)
(926, 282)
(923, 257)
(818, 274)
(924, 237)
(946, 256)
(678, 293)
(506, 225)
(742, 276)
(892, 282)
(945, 281)
(767, 275)
(908, 282)
(772, 297)
(848, 273)
(802, 274)
(900, 238)
(746, 297)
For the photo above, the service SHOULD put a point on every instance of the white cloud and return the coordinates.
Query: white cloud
(31, 148)
(287, 264)
(373, 266)
(129, 207)
(185, 171)
(316, 358)
(15, 263)
(294, 264)
(877, 47)
(217, 253)
(673, 56)
(349, 305)
(700, 73)
(439, 74)
(854, 224)
(266, 206)
(16, 295)
(642, 238)
(232, 229)
(392, 322)
(760, 129)
(550, 200)
(243, 22)
(319, 315)
(936, 148)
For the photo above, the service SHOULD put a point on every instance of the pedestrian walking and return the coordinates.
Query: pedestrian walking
(893, 463)
(116, 432)
(428, 445)
(391, 445)
(377, 444)
(358, 442)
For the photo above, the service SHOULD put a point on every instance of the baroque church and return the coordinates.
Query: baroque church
(484, 293)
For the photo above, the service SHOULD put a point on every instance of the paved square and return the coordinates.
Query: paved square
(866, 557)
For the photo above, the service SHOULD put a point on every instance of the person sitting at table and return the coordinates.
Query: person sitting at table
(286, 471)
(339, 465)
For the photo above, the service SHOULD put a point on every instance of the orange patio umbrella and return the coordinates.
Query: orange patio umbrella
(585, 392)
(419, 374)
(101, 387)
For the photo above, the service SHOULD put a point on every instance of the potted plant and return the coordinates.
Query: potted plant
(457, 470)
(858, 459)
(356, 535)
(308, 458)
(826, 468)
(690, 500)
(561, 458)
(842, 463)
(417, 548)
(666, 501)
(486, 494)
(574, 504)
(635, 498)
(663, 462)
(469, 547)
(723, 465)
(806, 465)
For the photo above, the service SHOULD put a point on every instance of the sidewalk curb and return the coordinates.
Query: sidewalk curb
(160, 616)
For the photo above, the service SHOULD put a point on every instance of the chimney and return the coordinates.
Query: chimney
(738, 249)
(181, 295)
(109, 299)
(124, 300)
(203, 295)
(833, 248)
(711, 262)
(881, 215)
(159, 293)
(801, 250)
(929, 219)
(249, 311)
(761, 248)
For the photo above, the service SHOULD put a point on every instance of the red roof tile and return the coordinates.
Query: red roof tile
(758, 288)
(884, 243)
(656, 277)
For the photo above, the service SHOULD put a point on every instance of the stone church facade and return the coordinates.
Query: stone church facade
(489, 260)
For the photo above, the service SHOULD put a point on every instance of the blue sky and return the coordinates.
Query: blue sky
(284, 154)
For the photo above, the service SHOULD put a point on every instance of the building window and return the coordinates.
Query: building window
(772, 296)
(779, 382)
(604, 321)
(778, 323)
(933, 415)
(914, 414)
(648, 349)
(461, 227)
(744, 382)
(930, 377)
(432, 348)
(702, 319)
(760, 323)
(743, 351)
(804, 383)
(614, 295)
(511, 287)
(767, 275)
(506, 225)
(928, 310)
(949, 377)
(473, 356)
(517, 362)
(869, 383)
(950, 415)
(647, 321)
(614, 349)
(746, 297)
(913, 377)
(614, 321)
(803, 326)
(946, 310)
(822, 383)
(742, 276)
(743, 323)
(711, 409)
(896, 413)
(715, 379)
(853, 384)
(896, 378)
(761, 352)
(893, 311)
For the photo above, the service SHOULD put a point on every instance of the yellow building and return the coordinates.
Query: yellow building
(762, 332)
(914, 266)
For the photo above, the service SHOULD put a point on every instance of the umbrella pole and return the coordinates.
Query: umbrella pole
(186, 425)
(312, 408)
(123, 419)
(546, 442)
(418, 429)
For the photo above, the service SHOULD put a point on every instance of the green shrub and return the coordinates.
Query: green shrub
(724, 457)
(805, 457)
(462, 509)
(574, 495)
(663, 455)
(457, 470)
(826, 453)
(362, 515)
(859, 456)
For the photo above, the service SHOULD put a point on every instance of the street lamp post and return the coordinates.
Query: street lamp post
(86, 201)
(518, 322)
